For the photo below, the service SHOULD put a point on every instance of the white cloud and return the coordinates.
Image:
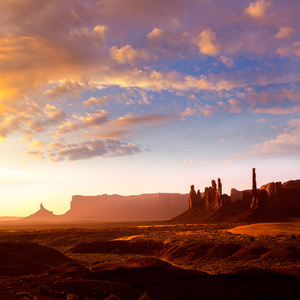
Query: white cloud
(287, 143)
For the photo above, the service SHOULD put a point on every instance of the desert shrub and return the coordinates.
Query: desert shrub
(72, 297)
(145, 297)
(112, 297)
(293, 236)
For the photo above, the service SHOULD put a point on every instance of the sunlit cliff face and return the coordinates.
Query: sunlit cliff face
(145, 96)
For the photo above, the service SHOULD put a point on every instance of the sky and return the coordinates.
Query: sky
(145, 96)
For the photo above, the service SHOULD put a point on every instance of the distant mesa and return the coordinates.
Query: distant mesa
(115, 208)
(272, 202)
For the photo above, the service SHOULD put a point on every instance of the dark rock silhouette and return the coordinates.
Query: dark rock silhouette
(42, 215)
(235, 194)
(272, 202)
(212, 198)
(161, 280)
(254, 200)
(28, 258)
(193, 201)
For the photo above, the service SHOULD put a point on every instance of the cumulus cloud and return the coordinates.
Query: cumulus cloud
(92, 102)
(296, 48)
(28, 118)
(148, 79)
(155, 36)
(207, 110)
(128, 55)
(206, 43)
(97, 35)
(124, 98)
(170, 42)
(67, 88)
(10, 124)
(227, 61)
(62, 50)
(89, 120)
(36, 154)
(285, 32)
(233, 106)
(287, 143)
(257, 9)
(254, 98)
(189, 112)
(93, 148)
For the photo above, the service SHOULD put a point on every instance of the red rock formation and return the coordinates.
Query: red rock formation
(254, 200)
(193, 198)
(213, 197)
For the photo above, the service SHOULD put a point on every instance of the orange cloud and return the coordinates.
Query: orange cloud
(285, 32)
(257, 9)
(276, 110)
(128, 55)
(206, 43)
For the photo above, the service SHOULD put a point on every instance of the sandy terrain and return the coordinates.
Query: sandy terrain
(163, 261)
(268, 229)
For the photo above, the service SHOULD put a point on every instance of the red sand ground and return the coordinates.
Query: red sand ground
(268, 229)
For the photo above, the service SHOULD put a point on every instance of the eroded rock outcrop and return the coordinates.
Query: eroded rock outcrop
(213, 197)
(272, 202)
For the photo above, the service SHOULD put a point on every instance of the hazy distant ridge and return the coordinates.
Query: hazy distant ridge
(110, 208)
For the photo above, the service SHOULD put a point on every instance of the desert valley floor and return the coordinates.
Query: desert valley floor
(150, 261)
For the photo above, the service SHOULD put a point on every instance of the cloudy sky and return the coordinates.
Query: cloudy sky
(145, 96)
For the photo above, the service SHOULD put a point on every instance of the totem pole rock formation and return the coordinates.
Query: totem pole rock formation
(254, 200)
(193, 198)
(273, 201)
(212, 198)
